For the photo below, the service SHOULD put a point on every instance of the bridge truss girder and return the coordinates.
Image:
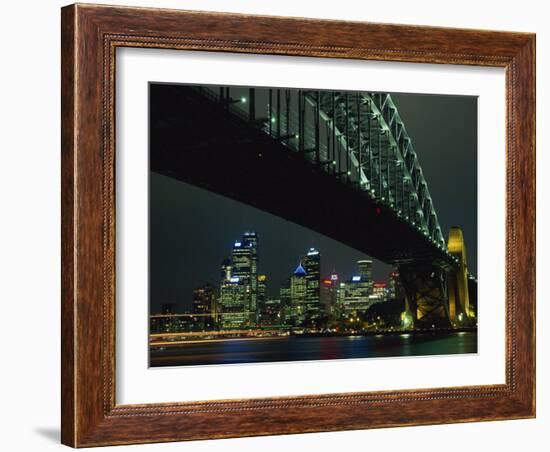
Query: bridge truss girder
(360, 138)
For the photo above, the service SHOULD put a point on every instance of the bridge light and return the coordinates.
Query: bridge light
(334, 162)
(297, 136)
(272, 120)
(349, 173)
(243, 100)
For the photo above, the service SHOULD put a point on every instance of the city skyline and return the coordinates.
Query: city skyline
(272, 287)
(278, 258)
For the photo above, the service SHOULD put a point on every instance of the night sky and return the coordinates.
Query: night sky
(192, 230)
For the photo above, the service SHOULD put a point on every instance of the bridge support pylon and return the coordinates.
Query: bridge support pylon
(460, 310)
(425, 288)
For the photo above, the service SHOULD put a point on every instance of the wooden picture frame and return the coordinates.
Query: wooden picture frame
(90, 36)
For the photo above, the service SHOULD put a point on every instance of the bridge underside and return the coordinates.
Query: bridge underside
(200, 142)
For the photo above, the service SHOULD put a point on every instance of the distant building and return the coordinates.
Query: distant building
(298, 294)
(244, 265)
(379, 292)
(204, 306)
(329, 295)
(271, 313)
(365, 272)
(225, 270)
(261, 291)
(355, 295)
(171, 323)
(233, 303)
(286, 307)
(312, 267)
(238, 301)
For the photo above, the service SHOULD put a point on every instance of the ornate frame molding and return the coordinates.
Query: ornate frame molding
(90, 36)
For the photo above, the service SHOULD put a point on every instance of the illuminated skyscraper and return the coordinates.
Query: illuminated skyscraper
(355, 295)
(298, 294)
(329, 295)
(234, 297)
(286, 306)
(225, 269)
(365, 268)
(262, 291)
(312, 266)
(365, 272)
(380, 292)
(244, 265)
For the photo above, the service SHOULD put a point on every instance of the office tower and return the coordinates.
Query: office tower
(312, 266)
(234, 298)
(379, 292)
(365, 269)
(261, 299)
(244, 265)
(262, 291)
(225, 269)
(204, 306)
(365, 273)
(298, 294)
(356, 297)
(286, 306)
(271, 314)
(329, 295)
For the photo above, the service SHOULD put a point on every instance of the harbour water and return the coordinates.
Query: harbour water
(296, 348)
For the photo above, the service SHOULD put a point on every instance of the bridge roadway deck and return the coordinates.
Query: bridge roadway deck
(201, 143)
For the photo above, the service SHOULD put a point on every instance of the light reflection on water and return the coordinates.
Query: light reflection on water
(315, 348)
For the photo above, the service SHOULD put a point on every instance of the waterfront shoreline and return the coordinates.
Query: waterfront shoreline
(313, 348)
(244, 337)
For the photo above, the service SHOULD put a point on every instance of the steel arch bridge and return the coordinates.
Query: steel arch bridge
(257, 144)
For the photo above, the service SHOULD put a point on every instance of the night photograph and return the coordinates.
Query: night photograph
(294, 224)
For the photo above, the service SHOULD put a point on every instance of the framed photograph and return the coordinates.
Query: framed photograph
(281, 225)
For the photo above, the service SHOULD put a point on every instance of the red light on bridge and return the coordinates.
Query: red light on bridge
(378, 211)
